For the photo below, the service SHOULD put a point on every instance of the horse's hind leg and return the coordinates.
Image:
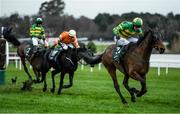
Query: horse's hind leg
(112, 72)
(71, 75)
(125, 83)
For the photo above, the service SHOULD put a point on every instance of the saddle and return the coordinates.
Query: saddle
(120, 51)
(33, 51)
(54, 53)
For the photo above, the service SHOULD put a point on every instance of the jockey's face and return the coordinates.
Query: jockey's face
(136, 27)
(39, 24)
(71, 37)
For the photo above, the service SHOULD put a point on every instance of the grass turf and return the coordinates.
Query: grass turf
(91, 92)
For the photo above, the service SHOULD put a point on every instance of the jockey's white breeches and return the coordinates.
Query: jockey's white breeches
(36, 41)
(65, 46)
(123, 41)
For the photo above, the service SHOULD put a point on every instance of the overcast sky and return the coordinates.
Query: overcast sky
(90, 8)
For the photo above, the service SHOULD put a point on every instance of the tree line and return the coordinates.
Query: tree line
(55, 21)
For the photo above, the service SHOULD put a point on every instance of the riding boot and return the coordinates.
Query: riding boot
(122, 52)
(27, 52)
(54, 53)
(118, 53)
(35, 52)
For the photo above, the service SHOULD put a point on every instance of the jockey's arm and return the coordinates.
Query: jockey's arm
(57, 41)
(42, 34)
(119, 28)
(43, 37)
(75, 43)
(31, 32)
(141, 34)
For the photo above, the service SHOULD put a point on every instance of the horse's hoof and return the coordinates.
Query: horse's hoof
(139, 94)
(65, 86)
(133, 99)
(44, 89)
(52, 90)
(124, 101)
(23, 88)
(59, 92)
(145, 91)
(134, 90)
(40, 81)
(29, 88)
(36, 81)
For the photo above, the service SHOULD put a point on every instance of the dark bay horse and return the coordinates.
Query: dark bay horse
(68, 62)
(134, 64)
(21, 51)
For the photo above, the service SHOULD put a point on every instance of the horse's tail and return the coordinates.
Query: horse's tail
(93, 60)
(9, 37)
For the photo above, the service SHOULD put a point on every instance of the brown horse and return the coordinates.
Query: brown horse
(22, 48)
(134, 64)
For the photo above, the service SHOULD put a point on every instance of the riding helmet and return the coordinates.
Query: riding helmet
(72, 33)
(39, 20)
(137, 22)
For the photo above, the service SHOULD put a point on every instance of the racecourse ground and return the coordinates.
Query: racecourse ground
(92, 92)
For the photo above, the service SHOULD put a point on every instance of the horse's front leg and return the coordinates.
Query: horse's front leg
(53, 73)
(25, 68)
(142, 80)
(112, 72)
(131, 91)
(71, 75)
(37, 74)
(45, 84)
(26, 85)
(61, 82)
(143, 88)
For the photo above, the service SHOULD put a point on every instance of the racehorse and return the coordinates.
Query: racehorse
(22, 49)
(68, 62)
(134, 64)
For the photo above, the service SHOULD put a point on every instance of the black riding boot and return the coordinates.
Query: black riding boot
(118, 53)
(35, 52)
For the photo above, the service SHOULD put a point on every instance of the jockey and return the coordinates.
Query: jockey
(37, 35)
(125, 33)
(66, 38)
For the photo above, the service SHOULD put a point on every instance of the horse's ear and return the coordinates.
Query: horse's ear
(150, 29)
(147, 29)
(6, 30)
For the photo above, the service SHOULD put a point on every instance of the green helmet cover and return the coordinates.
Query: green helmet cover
(39, 20)
(137, 21)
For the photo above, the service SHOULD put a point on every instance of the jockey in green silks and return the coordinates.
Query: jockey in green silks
(125, 33)
(37, 35)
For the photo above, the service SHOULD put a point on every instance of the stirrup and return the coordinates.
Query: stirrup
(116, 60)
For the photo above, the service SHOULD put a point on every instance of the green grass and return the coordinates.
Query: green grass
(91, 92)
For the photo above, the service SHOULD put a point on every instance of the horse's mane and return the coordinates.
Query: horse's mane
(142, 37)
